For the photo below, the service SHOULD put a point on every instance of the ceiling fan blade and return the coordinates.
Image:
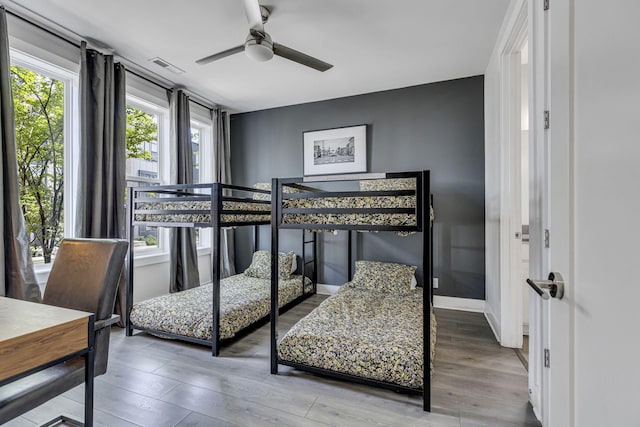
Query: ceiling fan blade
(254, 17)
(220, 55)
(300, 58)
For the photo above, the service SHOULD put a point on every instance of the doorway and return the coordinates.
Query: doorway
(523, 265)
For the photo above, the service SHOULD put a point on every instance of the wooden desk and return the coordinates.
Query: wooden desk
(35, 336)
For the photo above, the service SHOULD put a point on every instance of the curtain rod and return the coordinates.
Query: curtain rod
(45, 29)
(77, 45)
(164, 87)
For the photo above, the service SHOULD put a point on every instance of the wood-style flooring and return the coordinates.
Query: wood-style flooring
(155, 382)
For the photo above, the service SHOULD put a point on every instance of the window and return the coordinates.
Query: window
(143, 162)
(201, 146)
(196, 133)
(43, 96)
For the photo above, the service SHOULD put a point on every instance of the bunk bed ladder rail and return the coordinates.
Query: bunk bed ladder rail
(313, 260)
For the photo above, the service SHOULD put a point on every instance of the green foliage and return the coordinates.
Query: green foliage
(39, 116)
(151, 240)
(141, 128)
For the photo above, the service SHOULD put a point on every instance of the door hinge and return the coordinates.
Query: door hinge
(546, 238)
(545, 4)
(546, 119)
(546, 358)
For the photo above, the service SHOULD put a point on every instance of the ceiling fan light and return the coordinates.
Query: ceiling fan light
(259, 50)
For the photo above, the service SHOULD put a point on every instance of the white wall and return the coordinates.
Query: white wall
(152, 279)
(607, 202)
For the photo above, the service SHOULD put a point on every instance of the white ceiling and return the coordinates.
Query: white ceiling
(373, 44)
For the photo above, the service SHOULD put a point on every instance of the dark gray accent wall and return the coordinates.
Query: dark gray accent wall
(438, 126)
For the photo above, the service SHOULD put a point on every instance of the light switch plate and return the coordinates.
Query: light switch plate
(435, 283)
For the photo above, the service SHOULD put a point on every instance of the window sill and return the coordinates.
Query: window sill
(155, 257)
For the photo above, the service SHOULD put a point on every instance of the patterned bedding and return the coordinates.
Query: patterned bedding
(376, 202)
(358, 202)
(243, 301)
(263, 209)
(368, 333)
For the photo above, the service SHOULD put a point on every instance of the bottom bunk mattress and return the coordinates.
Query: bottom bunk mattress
(367, 333)
(243, 301)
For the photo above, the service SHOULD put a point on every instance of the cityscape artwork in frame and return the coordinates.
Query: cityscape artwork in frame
(335, 151)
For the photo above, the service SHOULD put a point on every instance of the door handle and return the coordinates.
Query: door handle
(555, 284)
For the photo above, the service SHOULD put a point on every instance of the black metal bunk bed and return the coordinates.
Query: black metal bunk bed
(284, 217)
(200, 206)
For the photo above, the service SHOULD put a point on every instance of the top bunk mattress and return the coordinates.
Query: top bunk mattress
(243, 301)
(200, 212)
(395, 205)
(367, 333)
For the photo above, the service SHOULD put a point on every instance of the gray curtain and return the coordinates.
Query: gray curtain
(17, 279)
(102, 161)
(222, 174)
(184, 255)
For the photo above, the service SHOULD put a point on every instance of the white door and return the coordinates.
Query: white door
(595, 199)
(551, 213)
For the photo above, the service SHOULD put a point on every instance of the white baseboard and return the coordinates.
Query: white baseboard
(449, 303)
(462, 304)
(323, 289)
(493, 323)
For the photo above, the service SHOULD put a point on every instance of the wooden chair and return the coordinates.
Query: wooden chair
(84, 276)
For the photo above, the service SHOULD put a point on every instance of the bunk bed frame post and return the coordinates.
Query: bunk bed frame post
(256, 236)
(315, 262)
(216, 207)
(304, 258)
(350, 255)
(276, 200)
(129, 273)
(426, 290)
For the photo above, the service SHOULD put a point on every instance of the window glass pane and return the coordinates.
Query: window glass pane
(39, 114)
(143, 164)
(195, 148)
(196, 134)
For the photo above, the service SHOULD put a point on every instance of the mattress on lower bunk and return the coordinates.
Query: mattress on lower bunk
(362, 332)
(243, 301)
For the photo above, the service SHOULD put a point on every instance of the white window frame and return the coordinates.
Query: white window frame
(71, 137)
(161, 253)
(206, 173)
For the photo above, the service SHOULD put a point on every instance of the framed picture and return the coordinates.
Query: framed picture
(333, 151)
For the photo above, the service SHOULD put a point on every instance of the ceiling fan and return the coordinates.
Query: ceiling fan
(259, 46)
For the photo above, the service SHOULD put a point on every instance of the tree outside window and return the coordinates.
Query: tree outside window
(39, 116)
(143, 163)
(39, 105)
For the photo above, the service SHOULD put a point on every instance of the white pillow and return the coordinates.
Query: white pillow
(294, 263)
(414, 283)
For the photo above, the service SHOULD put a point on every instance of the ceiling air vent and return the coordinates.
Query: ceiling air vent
(164, 64)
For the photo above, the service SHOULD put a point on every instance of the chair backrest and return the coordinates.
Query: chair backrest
(85, 275)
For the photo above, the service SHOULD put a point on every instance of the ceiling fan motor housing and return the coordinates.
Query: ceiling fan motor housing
(259, 47)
